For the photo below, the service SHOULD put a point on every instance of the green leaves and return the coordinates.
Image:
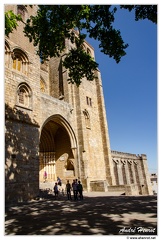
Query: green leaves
(11, 22)
(49, 29)
(143, 12)
(80, 65)
(53, 24)
(111, 42)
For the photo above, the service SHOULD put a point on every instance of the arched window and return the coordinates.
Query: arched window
(24, 96)
(7, 54)
(89, 51)
(21, 9)
(20, 61)
(42, 85)
(84, 47)
(87, 119)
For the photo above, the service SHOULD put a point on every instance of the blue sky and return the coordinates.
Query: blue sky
(130, 89)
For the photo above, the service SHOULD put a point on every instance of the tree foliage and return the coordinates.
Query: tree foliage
(143, 11)
(52, 24)
(11, 22)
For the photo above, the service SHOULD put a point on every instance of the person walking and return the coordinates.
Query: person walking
(80, 190)
(55, 190)
(45, 176)
(59, 181)
(68, 190)
(75, 189)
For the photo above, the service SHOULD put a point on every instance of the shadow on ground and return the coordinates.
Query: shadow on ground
(108, 215)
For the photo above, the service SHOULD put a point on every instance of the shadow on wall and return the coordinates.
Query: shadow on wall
(124, 215)
(21, 155)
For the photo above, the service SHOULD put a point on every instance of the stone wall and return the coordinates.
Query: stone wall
(21, 156)
(22, 120)
(97, 186)
(132, 169)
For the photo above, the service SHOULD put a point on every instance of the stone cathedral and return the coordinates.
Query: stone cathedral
(58, 128)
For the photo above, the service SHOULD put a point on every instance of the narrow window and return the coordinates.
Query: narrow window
(24, 96)
(89, 101)
(20, 61)
(21, 9)
(42, 85)
(21, 96)
(89, 51)
(17, 64)
(87, 119)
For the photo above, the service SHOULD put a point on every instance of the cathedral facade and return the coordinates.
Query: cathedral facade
(58, 128)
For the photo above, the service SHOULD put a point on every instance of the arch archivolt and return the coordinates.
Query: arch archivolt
(16, 58)
(57, 118)
(7, 54)
(24, 95)
(20, 60)
(43, 85)
(58, 149)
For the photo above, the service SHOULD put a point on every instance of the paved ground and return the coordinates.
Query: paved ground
(97, 214)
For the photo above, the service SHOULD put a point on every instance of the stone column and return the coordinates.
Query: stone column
(76, 162)
(47, 165)
(54, 170)
(130, 171)
(127, 173)
(133, 173)
(115, 163)
(44, 162)
(123, 168)
(41, 166)
(141, 181)
(120, 178)
(53, 167)
(147, 187)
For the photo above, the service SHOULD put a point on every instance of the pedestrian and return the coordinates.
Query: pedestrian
(80, 190)
(59, 181)
(75, 190)
(45, 176)
(56, 190)
(68, 190)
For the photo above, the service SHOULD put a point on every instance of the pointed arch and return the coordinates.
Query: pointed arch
(89, 51)
(87, 118)
(22, 10)
(20, 61)
(7, 54)
(62, 121)
(7, 46)
(57, 149)
(24, 96)
(43, 85)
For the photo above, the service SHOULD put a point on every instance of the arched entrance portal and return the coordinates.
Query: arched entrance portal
(57, 150)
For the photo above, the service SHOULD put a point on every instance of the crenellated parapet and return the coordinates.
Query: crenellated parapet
(128, 155)
(131, 169)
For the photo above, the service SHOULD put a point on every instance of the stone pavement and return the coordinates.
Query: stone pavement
(97, 214)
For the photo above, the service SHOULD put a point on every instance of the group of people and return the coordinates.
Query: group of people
(56, 187)
(76, 187)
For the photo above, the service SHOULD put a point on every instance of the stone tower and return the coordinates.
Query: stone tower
(53, 126)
